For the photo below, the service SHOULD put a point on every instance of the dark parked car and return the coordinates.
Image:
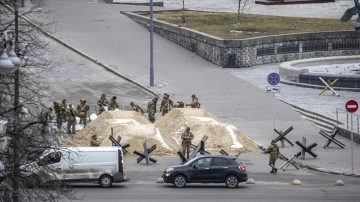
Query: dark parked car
(207, 169)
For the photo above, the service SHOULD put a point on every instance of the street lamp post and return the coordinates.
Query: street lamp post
(151, 45)
(9, 63)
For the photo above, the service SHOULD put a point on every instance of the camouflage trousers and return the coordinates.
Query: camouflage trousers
(186, 148)
(71, 127)
(272, 160)
(151, 117)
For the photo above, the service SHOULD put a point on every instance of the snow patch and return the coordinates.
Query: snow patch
(236, 143)
(124, 121)
(205, 119)
(159, 137)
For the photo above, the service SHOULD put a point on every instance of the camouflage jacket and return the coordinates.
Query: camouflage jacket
(273, 149)
(187, 137)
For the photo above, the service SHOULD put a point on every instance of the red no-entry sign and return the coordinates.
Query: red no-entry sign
(351, 106)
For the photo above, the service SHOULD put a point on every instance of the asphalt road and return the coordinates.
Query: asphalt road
(143, 187)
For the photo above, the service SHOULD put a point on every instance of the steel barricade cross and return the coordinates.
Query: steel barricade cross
(282, 137)
(117, 143)
(199, 148)
(331, 138)
(328, 86)
(146, 154)
(306, 149)
(288, 162)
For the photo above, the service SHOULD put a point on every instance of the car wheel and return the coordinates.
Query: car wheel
(231, 181)
(105, 181)
(179, 181)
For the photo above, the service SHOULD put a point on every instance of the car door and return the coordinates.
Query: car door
(219, 168)
(200, 170)
(52, 163)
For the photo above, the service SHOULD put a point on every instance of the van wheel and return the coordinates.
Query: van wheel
(105, 181)
(231, 181)
(179, 181)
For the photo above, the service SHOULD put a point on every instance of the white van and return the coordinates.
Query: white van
(103, 165)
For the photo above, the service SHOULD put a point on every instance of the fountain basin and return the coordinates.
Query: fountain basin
(308, 71)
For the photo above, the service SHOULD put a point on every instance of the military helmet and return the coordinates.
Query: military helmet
(188, 128)
(103, 95)
(94, 136)
(273, 141)
(193, 95)
(64, 100)
(131, 103)
(114, 98)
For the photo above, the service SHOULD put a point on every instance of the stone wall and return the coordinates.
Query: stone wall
(256, 51)
(347, 134)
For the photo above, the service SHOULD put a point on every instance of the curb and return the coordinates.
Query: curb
(320, 170)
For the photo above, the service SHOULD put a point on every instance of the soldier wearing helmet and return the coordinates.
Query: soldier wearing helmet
(63, 108)
(273, 150)
(113, 104)
(70, 112)
(102, 103)
(136, 108)
(166, 104)
(186, 137)
(194, 102)
(151, 109)
(83, 111)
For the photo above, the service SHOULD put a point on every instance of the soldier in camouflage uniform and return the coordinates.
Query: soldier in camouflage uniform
(63, 108)
(78, 109)
(45, 117)
(151, 109)
(71, 113)
(186, 137)
(113, 104)
(195, 102)
(83, 110)
(101, 103)
(166, 104)
(273, 150)
(136, 108)
(94, 142)
(58, 114)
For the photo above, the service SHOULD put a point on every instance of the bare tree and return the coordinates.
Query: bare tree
(21, 98)
(241, 7)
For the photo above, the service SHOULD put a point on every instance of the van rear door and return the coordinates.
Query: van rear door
(121, 161)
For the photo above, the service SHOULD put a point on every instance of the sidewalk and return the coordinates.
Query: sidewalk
(124, 46)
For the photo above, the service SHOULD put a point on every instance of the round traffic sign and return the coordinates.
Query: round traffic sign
(351, 106)
(273, 78)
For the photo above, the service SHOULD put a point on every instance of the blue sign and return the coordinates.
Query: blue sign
(273, 78)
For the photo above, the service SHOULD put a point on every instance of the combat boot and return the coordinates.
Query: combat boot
(272, 170)
(275, 170)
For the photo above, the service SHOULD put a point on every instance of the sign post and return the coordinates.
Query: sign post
(273, 79)
(351, 106)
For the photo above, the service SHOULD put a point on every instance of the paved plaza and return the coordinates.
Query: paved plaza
(236, 96)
